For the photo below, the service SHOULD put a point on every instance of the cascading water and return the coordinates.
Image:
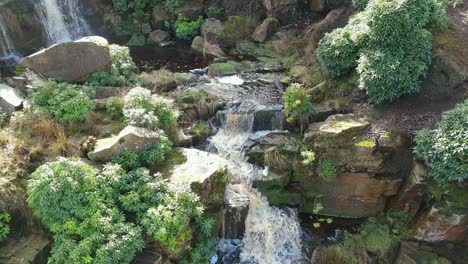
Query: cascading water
(62, 20)
(6, 45)
(272, 235)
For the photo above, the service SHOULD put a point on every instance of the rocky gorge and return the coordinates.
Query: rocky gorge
(233, 131)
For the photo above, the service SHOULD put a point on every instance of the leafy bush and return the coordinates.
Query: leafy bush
(114, 107)
(297, 105)
(5, 218)
(445, 149)
(360, 4)
(141, 9)
(121, 69)
(67, 197)
(64, 102)
(327, 170)
(388, 43)
(158, 153)
(185, 29)
(128, 160)
(149, 111)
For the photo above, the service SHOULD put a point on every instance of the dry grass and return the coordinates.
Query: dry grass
(274, 158)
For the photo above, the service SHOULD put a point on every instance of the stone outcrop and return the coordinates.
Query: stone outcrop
(159, 16)
(438, 226)
(339, 128)
(412, 253)
(132, 138)
(10, 99)
(190, 9)
(266, 30)
(71, 61)
(158, 37)
(30, 249)
(283, 10)
(227, 33)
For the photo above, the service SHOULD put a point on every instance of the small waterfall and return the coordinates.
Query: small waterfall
(62, 20)
(6, 45)
(272, 235)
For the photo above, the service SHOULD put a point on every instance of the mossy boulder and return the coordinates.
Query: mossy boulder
(137, 40)
(230, 68)
(227, 33)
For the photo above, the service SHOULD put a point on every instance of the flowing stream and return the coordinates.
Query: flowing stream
(62, 20)
(272, 235)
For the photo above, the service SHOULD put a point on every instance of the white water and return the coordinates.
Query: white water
(272, 235)
(62, 20)
(6, 45)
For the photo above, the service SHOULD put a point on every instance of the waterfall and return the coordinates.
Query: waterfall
(272, 235)
(6, 45)
(62, 20)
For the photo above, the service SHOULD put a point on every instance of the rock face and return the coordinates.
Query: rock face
(191, 9)
(337, 127)
(264, 32)
(284, 10)
(437, 226)
(71, 61)
(10, 99)
(226, 33)
(132, 138)
(158, 17)
(352, 194)
(412, 253)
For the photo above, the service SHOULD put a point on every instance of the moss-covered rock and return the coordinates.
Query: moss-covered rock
(137, 40)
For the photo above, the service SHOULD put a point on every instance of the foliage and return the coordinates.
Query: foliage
(62, 101)
(128, 160)
(149, 111)
(67, 197)
(141, 9)
(187, 30)
(297, 105)
(215, 10)
(3, 117)
(308, 157)
(121, 69)
(445, 149)
(114, 106)
(5, 218)
(327, 170)
(276, 158)
(360, 4)
(201, 130)
(388, 42)
(318, 208)
(85, 209)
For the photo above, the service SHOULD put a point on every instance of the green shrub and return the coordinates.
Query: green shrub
(327, 170)
(114, 107)
(388, 43)
(297, 105)
(5, 219)
(445, 149)
(156, 154)
(215, 10)
(128, 160)
(360, 4)
(121, 69)
(187, 30)
(64, 102)
(3, 117)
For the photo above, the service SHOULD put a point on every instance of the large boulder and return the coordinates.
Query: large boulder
(264, 32)
(71, 61)
(439, 226)
(132, 138)
(227, 33)
(159, 37)
(33, 248)
(336, 129)
(191, 9)
(10, 99)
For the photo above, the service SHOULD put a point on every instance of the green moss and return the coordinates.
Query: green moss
(137, 40)
(452, 198)
(366, 143)
(174, 158)
(230, 68)
(279, 196)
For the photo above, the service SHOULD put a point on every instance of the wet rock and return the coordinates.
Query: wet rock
(264, 32)
(351, 195)
(284, 10)
(71, 61)
(269, 119)
(230, 68)
(158, 36)
(438, 226)
(201, 170)
(159, 16)
(131, 138)
(10, 99)
(18, 82)
(198, 43)
(33, 248)
(339, 128)
(236, 209)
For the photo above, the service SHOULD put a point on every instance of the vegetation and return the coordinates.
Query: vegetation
(5, 219)
(187, 30)
(114, 107)
(297, 105)
(318, 208)
(327, 170)
(63, 102)
(120, 73)
(308, 157)
(387, 44)
(445, 149)
(142, 9)
(85, 210)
